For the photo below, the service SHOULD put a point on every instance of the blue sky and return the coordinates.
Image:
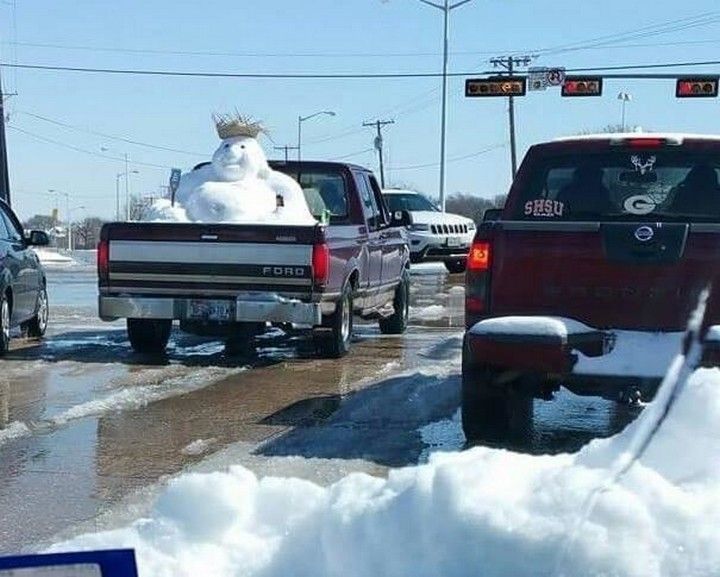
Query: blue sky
(322, 36)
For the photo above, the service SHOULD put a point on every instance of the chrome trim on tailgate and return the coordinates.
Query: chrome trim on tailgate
(260, 309)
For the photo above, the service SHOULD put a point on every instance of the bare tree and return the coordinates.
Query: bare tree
(139, 207)
(472, 206)
(40, 222)
(86, 233)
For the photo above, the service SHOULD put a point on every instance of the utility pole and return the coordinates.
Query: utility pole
(379, 124)
(509, 63)
(4, 174)
(287, 148)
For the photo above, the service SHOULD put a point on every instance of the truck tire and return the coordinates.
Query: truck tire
(397, 323)
(456, 266)
(337, 343)
(497, 415)
(5, 312)
(36, 326)
(149, 335)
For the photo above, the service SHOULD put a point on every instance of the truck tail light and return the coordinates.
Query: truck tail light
(103, 259)
(477, 282)
(320, 263)
(479, 257)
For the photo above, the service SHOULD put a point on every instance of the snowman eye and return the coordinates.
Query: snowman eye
(227, 145)
(242, 146)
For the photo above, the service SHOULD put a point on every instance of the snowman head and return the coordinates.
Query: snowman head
(239, 157)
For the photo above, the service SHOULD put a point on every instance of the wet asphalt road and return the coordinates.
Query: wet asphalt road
(88, 429)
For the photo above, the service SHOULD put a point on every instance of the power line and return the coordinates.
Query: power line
(78, 149)
(108, 136)
(358, 153)
(330, 76)
(455, 159)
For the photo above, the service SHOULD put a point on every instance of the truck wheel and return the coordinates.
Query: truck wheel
(499, 415)
(456, 266)
(149, 335)
(36, 326)
(397, 323)
(4, 324)
(337, 343)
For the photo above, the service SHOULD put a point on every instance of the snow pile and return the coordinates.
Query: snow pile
(14, 430)
(634, 353)
(536, 326)
(198, 447)
(238, 186)
(481, 512)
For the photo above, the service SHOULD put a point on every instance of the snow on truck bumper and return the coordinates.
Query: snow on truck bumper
(243, 309)
(567, 348)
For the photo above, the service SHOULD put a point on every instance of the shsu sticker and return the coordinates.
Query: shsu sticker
(544, 208)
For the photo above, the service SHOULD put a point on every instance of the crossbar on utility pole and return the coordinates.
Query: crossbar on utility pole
(379, 124)
(4, 173)
(287, 148)
(509, 63)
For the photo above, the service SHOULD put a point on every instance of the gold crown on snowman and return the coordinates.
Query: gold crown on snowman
(234, 125)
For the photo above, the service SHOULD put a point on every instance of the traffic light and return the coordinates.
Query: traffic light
(496, 86)
(697, 87)
(582, 86)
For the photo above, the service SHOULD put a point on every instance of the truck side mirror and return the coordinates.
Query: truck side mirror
(401, 218)
(492, 214)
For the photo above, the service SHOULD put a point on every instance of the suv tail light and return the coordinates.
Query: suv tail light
(320, 264)
(103, 260)
(477, 282)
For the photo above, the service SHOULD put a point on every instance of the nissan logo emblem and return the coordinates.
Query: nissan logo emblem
(644, 233)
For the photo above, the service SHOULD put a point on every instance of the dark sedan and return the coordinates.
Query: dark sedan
(23, 288)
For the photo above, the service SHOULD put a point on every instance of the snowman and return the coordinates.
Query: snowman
(238, 186)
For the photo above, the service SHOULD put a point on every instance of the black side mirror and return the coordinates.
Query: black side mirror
(38, 238)
(401, 218)
(492, 214)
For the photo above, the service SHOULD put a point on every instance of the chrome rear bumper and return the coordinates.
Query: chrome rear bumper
(248, 308)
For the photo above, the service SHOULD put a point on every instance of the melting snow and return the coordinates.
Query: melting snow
(481, 512)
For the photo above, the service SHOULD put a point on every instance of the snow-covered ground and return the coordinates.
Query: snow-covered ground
(480, 512)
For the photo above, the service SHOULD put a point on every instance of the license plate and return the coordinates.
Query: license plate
(210, 310)
(454, 241)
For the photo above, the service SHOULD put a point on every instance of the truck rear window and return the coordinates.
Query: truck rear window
(325, 192)
(623, 185)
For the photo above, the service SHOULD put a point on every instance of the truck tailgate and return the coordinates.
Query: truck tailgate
(208, 259)
(601, 274)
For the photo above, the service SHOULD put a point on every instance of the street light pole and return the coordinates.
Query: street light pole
(624, 97)
(127, 189)
(118, 176)
(446, 7)
(302, 119)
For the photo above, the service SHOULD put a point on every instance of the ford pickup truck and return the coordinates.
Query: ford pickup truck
(587, 278)
(233, 280)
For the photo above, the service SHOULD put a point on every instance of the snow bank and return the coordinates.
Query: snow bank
(51, 257)
(481, 512)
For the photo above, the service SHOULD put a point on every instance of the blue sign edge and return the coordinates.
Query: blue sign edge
(112, 563)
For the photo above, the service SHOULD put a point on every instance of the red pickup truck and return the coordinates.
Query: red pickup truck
(233, 279)
(588, 275)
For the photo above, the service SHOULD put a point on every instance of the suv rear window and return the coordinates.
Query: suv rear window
(623, 185)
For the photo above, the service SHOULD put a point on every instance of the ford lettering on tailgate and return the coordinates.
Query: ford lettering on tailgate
(285, 271)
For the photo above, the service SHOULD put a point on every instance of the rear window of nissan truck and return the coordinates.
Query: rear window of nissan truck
(649, 185)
